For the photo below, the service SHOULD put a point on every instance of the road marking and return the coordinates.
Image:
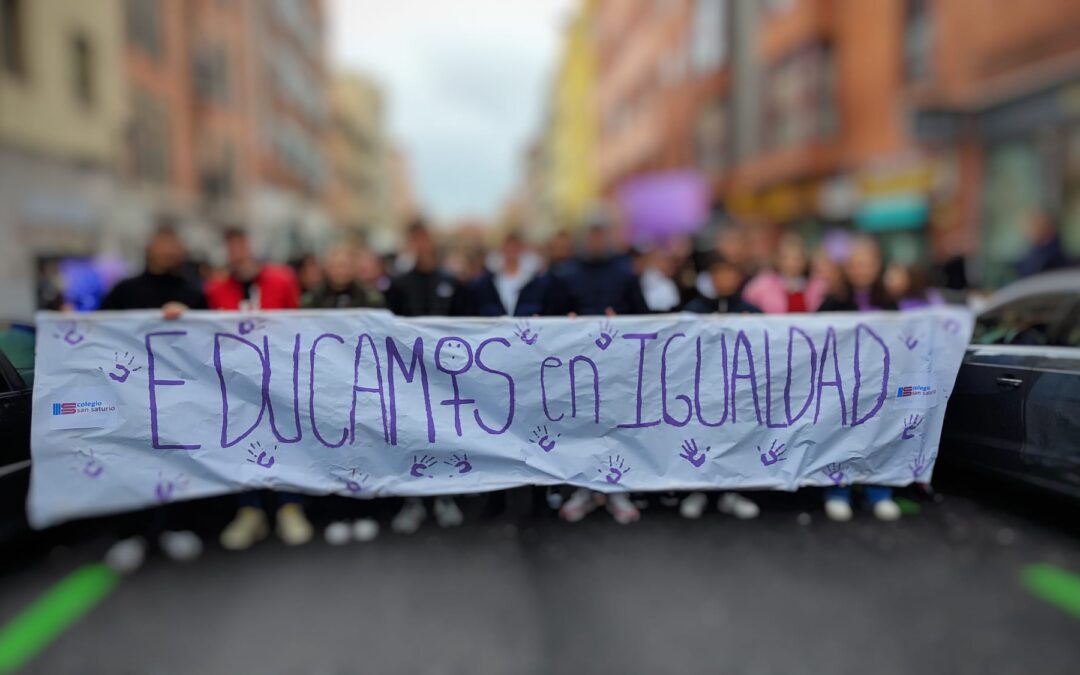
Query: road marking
(1054, 585)
(37, 626)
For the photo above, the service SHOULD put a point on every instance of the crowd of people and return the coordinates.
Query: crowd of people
(594, 275)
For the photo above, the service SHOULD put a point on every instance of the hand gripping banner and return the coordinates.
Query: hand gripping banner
(131, 410)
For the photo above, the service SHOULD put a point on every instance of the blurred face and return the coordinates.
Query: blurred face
(561, 247)
(732, 245)
(423, 247)
(238, 252)
(164, 253)
(368, 267)
(512, 250)
(339, 268)
(726, 278)
(791, 259)
(596, 243)
(897, 281)
(863, 266)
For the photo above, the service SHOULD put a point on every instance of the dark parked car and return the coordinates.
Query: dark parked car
(16, 385)
(1016, 406)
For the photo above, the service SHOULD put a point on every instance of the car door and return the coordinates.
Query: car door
(1051, 444)
(16, 372)
(987, 417)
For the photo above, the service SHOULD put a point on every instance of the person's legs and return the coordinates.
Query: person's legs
(248, 526)
(622, 508)
(693, 505)
(738, 505)
(409, 517)
(879, 497)
(292, 525)
(580, 503)
(447, 513)
(838, 503)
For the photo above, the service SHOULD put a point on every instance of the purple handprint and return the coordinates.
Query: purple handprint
(691, 454)
(355, 484)
(835, 472)
(461, 463)
(259, 456)
(248, 326)
(421, 465)
(122, 367)
(909, 341)
(774, 455)
(165, 489)
(93, 468)
(910, 425)
(920, 464)
(615, 470)
(69, 332)
(526, 334)
(952, 326)
(607, 334)
(541, 437)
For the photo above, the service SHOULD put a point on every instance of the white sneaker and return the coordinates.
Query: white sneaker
(181, 546)
(337, 533)
(622, 509)
(409, 518)
(887, 510)
(127, 555)
(293, 528)
(365, 529)
(447, 513)
(838, 510)
(740, 506)
(248, 527)
(693, 505)
(578, 506)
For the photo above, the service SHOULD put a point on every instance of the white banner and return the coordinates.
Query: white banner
(131, 410)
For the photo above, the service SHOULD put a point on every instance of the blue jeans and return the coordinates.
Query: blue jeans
(874, 493)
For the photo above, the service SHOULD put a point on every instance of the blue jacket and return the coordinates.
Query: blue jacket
(595, 285)
(543, 295)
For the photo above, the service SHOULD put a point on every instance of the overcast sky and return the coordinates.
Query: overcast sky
(466, 82)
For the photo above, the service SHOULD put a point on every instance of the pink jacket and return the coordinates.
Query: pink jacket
(767, 292)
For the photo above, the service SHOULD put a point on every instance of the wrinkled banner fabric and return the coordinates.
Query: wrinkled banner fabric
(131, 411)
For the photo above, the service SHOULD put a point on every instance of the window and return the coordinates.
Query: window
(918, 39)
(143, 19)
(11, 38)
(210, 68)
(150, 139)
(800, 98)
(82, 69)
(708, 44)
(17, 344)
(1031, 320)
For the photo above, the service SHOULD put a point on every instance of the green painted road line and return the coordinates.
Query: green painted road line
(1056, 586)
(22, 638)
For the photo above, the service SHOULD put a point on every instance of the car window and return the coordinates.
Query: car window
(17, 344)
(1069, 333)
(1031, 320)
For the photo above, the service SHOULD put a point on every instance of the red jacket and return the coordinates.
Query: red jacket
(277, 286)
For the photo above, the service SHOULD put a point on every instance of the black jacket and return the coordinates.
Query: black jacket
(418, 293)
(594, 285)
(544, 295)
(150, 291)
(729, 305)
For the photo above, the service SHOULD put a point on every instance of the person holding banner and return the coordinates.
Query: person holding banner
(599, 282)
(161, 284)
(252, 285)
(425, 290)
(862, 289)
(728, 280)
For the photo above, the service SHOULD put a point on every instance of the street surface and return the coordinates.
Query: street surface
(938, 592)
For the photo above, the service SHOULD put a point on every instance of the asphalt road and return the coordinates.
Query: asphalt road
(938, 592)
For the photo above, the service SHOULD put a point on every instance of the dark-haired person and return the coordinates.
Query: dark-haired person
(862, 289)
(728, 280)
(161, 284)
(251, 284)
(425, 290)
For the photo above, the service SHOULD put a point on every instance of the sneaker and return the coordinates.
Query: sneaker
(248, 527)
(447, 513)
(740, 506)
(337, 533)
(181, 546)
(293, 528)
(578, 506)
(127, 555)
(365, 529)
(409, 518)
(624, 511)
(693, 505)
(838, 510)
(887, 510)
